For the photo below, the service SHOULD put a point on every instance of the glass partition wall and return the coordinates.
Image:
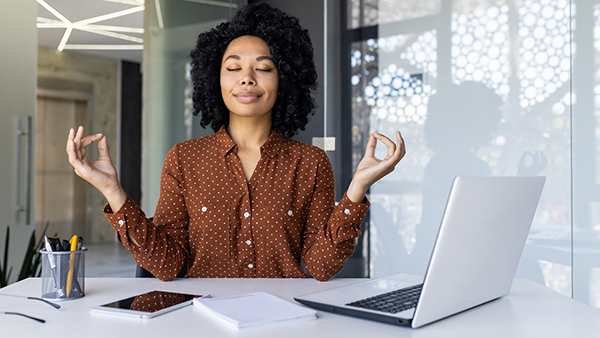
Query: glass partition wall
(172, 27)
(478, 87)
(481, 87)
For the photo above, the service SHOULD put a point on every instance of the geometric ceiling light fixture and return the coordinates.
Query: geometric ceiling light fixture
(89, 25)
(228, 4)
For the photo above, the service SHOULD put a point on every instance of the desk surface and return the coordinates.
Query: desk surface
(529, 310)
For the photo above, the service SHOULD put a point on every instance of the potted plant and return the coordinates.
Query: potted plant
(31, 266)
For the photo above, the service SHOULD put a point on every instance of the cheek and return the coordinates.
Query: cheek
(223, 82)
(226, 89)
(223, 87)
(275, 85)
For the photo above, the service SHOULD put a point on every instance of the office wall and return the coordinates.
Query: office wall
(18, 57)
(65, 73)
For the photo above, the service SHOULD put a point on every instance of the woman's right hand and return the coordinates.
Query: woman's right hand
(101, 173)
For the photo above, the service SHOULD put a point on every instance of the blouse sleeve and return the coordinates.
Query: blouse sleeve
(163, 239)
(330, 231)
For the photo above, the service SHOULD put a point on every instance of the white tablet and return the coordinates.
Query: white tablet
(149, 304)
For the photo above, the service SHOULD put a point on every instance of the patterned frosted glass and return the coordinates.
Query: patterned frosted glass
(486, 88)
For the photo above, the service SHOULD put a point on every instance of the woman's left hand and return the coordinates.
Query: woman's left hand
(371, 169)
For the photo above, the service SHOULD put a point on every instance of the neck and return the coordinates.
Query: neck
(249, 133)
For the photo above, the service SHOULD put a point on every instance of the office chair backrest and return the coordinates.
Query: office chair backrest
(142, 273)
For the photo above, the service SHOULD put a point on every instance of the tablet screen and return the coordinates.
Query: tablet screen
(150, 303)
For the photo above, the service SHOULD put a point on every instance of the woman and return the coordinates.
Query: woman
(246, 201)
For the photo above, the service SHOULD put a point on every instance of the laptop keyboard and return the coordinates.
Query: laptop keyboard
(391, 302)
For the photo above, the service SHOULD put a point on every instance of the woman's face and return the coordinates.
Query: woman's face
(249, 80)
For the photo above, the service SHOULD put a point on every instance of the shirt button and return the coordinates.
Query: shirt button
(347, 212)
(246, 214)
(250, 266)
(248, 242)
(290, 213)
(121, 222)
(204, 209)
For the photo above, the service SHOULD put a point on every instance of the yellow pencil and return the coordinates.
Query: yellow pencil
(73, 243)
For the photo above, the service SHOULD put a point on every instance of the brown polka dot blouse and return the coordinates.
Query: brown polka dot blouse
(225, 226)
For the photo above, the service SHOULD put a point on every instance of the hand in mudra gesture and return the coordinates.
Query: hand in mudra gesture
(371, 169)
(101, 173)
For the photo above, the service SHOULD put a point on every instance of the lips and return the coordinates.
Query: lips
(247, 97)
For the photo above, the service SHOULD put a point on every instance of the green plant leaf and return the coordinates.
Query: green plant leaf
(5, 281)
(31, 266)
(26, 266)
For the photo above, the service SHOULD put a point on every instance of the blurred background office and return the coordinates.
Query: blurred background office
(483, 87)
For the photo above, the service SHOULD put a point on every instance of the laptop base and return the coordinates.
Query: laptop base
(378, 317)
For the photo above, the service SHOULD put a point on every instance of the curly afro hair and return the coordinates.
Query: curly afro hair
(292, 52)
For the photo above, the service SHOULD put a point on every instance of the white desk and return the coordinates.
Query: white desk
(530, 310)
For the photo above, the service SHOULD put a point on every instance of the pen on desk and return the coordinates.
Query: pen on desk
(50, 244)
(73, 243)
(23, 315)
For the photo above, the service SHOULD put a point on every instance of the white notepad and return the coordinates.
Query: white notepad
(255, 309)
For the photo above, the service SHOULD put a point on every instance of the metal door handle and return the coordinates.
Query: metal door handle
(24, 193)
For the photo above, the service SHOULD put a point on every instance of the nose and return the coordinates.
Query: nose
(248, 79)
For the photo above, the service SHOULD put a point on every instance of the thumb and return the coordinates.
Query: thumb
(103, 148)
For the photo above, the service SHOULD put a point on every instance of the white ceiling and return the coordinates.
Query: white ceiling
(100, 37)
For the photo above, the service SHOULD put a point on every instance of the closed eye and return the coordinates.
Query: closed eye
(233, 69)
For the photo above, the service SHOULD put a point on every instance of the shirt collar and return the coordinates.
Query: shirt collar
(271, 147)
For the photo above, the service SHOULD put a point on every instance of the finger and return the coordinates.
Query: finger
(399, 152)
(79, 134)
(371, 145)
(86, 141)
(72, 150)
(77, 142)
(391, 146)
(72, 154)
(103, 148)
(80, 167)
(401, 147)
(70, 138)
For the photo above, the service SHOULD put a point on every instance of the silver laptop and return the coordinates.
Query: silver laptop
(477, 250)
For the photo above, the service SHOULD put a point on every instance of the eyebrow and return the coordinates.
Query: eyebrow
(259, 58)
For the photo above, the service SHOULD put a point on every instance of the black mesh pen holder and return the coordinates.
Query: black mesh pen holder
(63, 274)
